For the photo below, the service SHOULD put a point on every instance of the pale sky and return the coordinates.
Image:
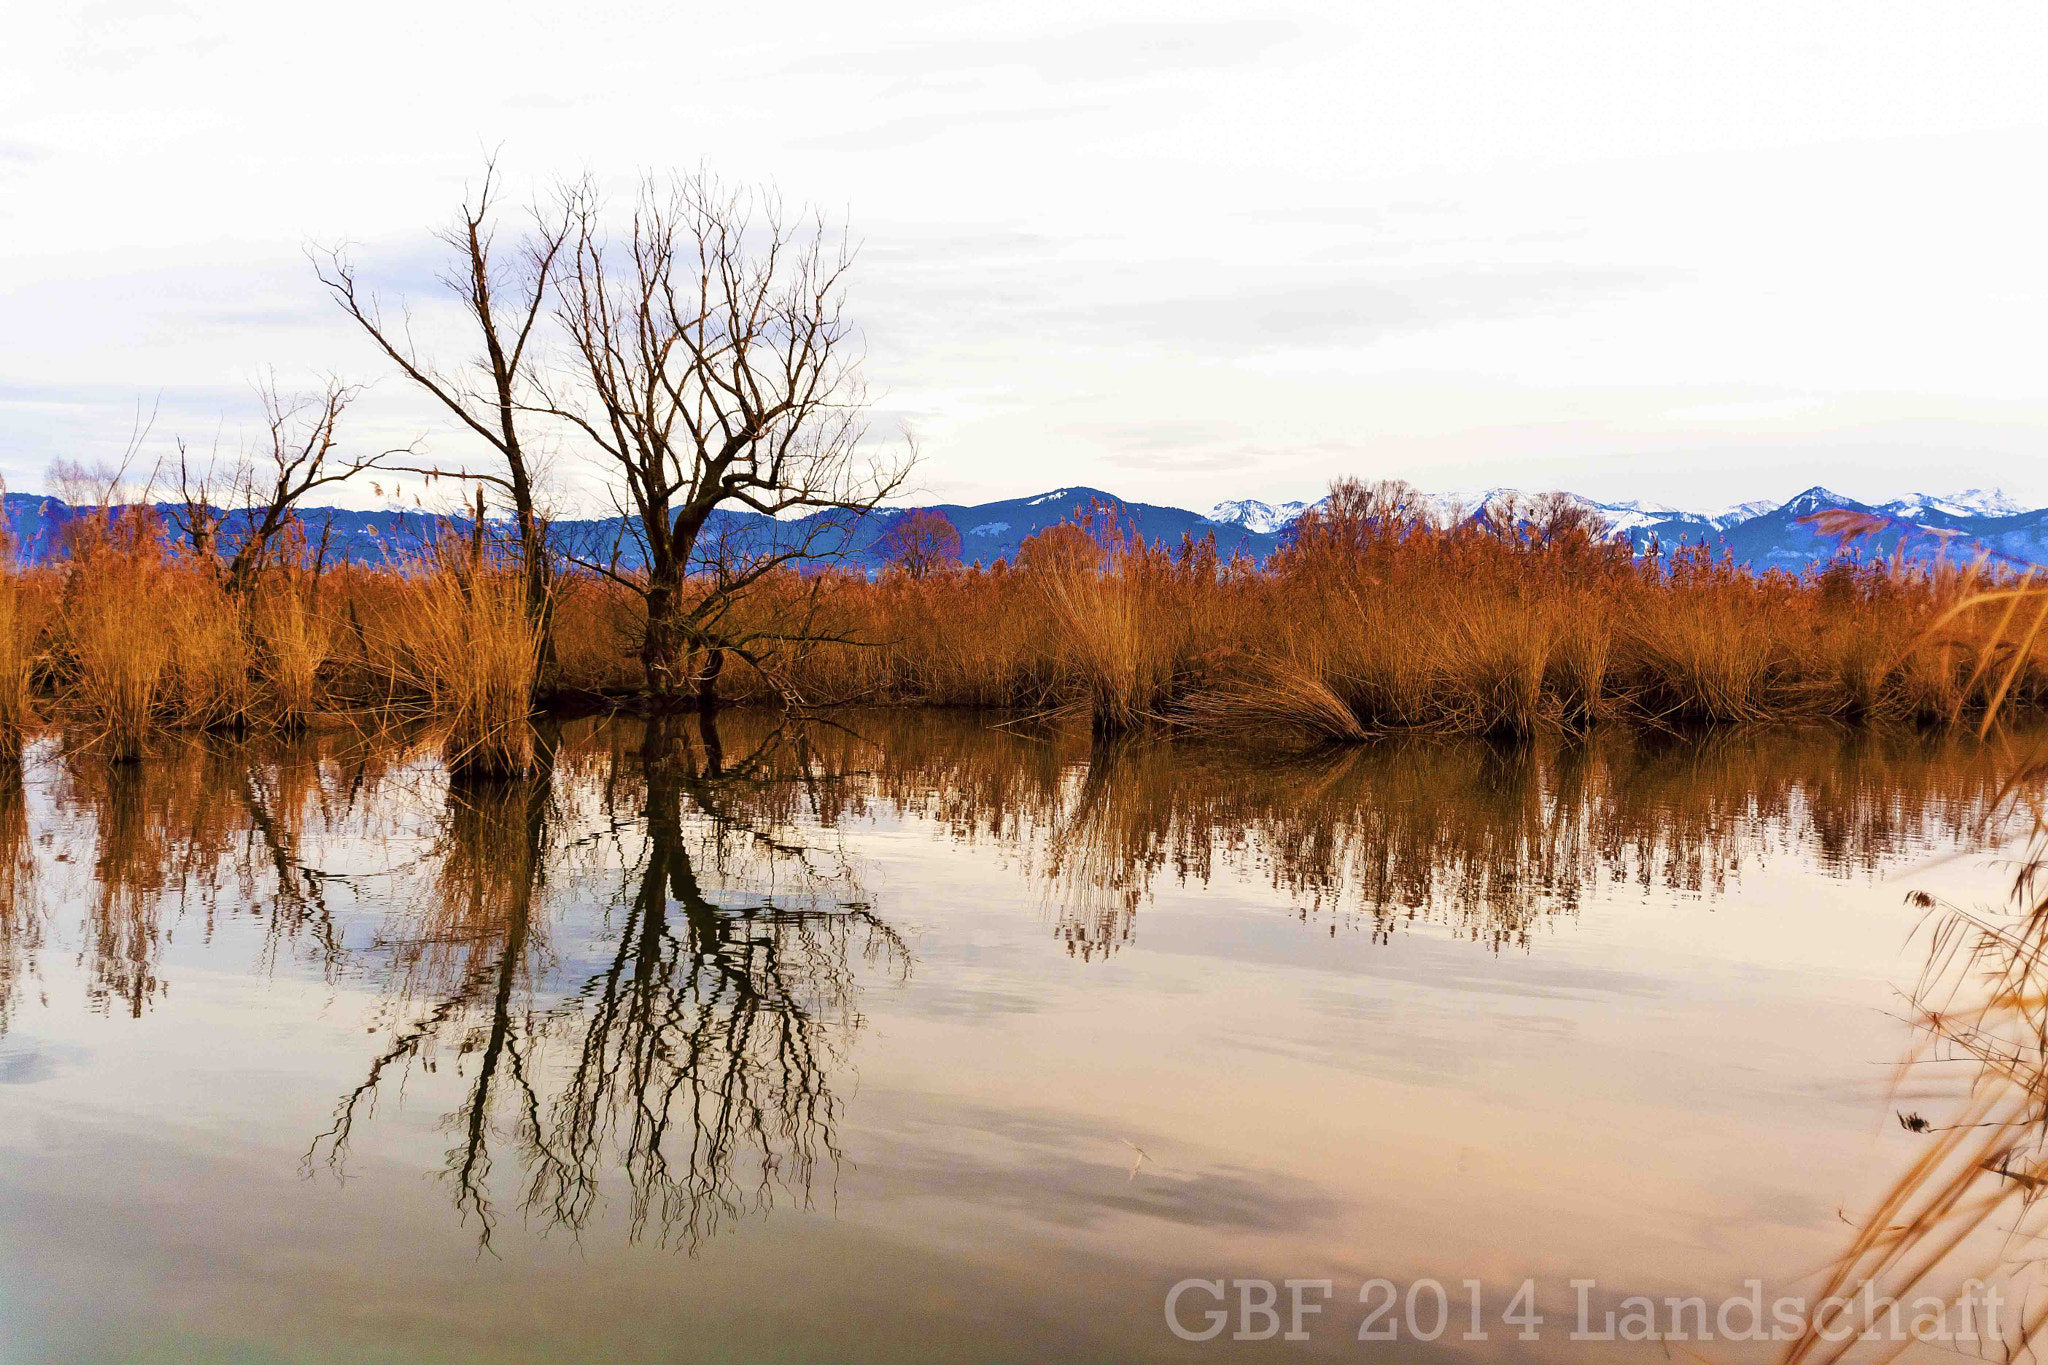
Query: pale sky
(1182, 251)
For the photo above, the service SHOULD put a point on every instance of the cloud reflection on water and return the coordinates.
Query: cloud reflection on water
(645, 969)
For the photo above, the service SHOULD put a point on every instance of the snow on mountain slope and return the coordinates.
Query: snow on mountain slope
(1621, 517)
(1817, 499)
(1970, 502)
(1737, 513)
(1628, 516)
(1263, 518)
(1635, 514)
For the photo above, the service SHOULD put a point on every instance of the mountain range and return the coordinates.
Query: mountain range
(1763, 534)
(1970, 502)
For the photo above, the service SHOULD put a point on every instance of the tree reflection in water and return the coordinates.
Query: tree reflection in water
(646, 963)
(699, 1061)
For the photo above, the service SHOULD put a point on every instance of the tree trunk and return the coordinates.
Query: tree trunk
(665, 649)
(540, 609)
(540, 605)
(707, 681)
(662, 650)
(714, 751)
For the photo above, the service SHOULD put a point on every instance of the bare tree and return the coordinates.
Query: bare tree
(919, 542)
(256, 496)
(713, 368)
(503, 294)
(200, 512)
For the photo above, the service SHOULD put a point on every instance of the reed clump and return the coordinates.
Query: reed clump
(143, 640)
(288, 643)
(464, 651)
(116, 644)
(1126, 620)
(213, 682)
(1959, 1222)
(19, 628)
(126, 638)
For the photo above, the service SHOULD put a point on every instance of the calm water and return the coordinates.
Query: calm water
(921, 1039)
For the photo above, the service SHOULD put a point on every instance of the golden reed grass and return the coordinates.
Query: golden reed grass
(1379, 619)
(1376, 619)
(454, 642)
(125, 638)
(1966, 1211)
(19, 629)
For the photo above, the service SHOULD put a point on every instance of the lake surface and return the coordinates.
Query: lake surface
(918, 1037)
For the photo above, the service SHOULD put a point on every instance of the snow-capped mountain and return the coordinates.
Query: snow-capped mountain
(1970, 502)
(1737, 513)
(1622, 518)
(1461, 503)
(1641, 520)
(1261, 518)
(1763, 532)
(1816, 499)
(1634, 514)
(1769, 534)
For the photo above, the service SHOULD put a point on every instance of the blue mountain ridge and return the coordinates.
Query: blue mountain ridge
(1766, 539)
(988, 531)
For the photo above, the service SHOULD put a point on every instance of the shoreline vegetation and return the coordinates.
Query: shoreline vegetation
(696, 353)
(1375, 620)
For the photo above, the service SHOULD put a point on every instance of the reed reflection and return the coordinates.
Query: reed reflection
(1487, 840)
(21, 910)
(1962, 1224)
(132, 867)
(644, 966)
(211, 829)
(697, 1062)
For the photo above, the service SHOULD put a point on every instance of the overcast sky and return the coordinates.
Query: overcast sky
(1182, 251)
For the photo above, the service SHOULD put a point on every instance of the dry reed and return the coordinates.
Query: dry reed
(466, 653)
(1380, 619)
(1964, 1211)
(290, 642)
(117, 631)
(1377, 618)
(17, 661)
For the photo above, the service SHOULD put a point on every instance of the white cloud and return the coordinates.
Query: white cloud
(1202, 250)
